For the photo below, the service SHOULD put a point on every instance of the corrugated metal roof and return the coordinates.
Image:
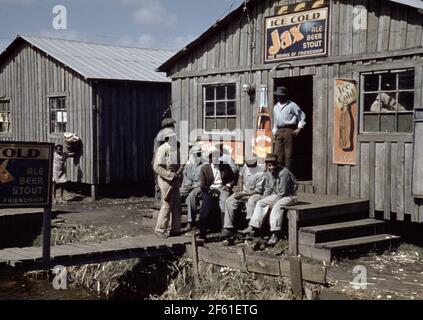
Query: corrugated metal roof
(412, 3)
(105, 62)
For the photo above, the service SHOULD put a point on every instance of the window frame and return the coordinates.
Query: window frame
(57, 95)
(8, 101)
(395, 70)
(204, 101)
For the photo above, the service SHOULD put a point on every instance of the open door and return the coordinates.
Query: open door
(301, 92)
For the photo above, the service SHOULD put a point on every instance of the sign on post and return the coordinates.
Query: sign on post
(25, 174)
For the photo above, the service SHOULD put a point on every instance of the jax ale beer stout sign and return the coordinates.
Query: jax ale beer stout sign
(25, 174)
(297, 35)
(345, 122)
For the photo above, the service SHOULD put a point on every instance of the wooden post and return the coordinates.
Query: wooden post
(296, 277)
(94, 192)
(292, 232)
(195, 260)
(46, 235)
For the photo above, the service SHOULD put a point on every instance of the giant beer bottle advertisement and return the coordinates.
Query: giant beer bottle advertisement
(263, 139)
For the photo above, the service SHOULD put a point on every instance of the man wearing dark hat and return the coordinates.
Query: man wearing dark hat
(280, 188)
(288, 121)
(250, 189)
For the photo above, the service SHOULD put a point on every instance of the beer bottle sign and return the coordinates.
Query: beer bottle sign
(263, 138)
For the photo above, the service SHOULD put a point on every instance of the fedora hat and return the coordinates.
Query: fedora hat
(168, 122)
(281, 91)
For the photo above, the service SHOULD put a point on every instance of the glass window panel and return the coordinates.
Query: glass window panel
(406, 101)
(406, 80)
(209, 108)
(209, 93)
(231, 124)
(371, 102)
(220, 109)
(371, 122)
(231, 92)
(221, 124)
(405, 122)
(389, 81)
(210, 124)
(387, 123)
(221, 93)
(371, 82)
(231, 108)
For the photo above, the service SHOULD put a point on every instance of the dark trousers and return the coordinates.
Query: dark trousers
(284, 146)
(210, 205)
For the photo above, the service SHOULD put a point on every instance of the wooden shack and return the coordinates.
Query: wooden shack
(110, 96)
(318, 49)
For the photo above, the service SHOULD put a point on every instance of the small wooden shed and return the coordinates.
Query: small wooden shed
(110, 96)
(363, 56)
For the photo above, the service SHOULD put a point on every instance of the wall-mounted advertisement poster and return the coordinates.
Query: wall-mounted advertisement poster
(345, 122)
(297, 35)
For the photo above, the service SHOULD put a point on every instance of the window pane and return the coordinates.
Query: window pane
(388, 102)
(371, 82)
(387, 123)
(221, 124)
(220, 93)
(389, 81)
(231, 124)
(221, 109)
(209, 93)
(406, 101)
(231, 92)
(371, 123)
(231, 108)
(371, 102)
(406, 80)
(209, 124)
(209, 108)
(405, 122)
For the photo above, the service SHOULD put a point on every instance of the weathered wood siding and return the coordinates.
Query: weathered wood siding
(27, 78)
(128, 118)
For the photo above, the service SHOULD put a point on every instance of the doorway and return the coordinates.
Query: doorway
(301, 92)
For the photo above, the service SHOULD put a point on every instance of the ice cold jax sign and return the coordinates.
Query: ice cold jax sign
(25, 174)
(297, 35)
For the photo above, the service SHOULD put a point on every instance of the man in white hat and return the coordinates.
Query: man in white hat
(191, 185)
(166, 166)
(216, 180)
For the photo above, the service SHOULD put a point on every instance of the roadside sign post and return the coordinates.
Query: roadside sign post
(26, 181)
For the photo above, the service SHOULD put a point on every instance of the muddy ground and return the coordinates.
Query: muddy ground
(396, 274)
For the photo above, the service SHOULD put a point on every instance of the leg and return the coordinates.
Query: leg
(279, 147)
(288, 148)
(261, 210)
(175, 220)
(191, 202)
(54, 192)
(251, 204)
(205, 210)
(276, 215)
(164, 214)
(231, 205)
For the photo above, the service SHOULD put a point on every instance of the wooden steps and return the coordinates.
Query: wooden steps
(323, 242)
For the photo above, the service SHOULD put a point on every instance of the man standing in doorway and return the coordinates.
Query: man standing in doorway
(288, 121)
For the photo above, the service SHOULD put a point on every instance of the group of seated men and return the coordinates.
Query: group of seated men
(255, 188)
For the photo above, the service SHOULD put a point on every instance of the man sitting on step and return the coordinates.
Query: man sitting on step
(250, 189)
(279, 191)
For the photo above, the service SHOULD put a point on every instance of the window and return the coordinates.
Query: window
(4, 116)
(388, 101)
(58, 114)
(219, 107)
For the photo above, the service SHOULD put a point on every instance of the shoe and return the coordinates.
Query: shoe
(188, 227)
(249, 231)
(273, 240)
(174, 234)
(226, 233)
(162, 235)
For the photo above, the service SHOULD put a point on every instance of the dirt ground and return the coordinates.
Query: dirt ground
(397, 274)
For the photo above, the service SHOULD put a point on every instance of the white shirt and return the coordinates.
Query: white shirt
(288, 114)
(217, 183)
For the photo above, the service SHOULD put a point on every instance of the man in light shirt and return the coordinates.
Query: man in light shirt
(288, 121)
